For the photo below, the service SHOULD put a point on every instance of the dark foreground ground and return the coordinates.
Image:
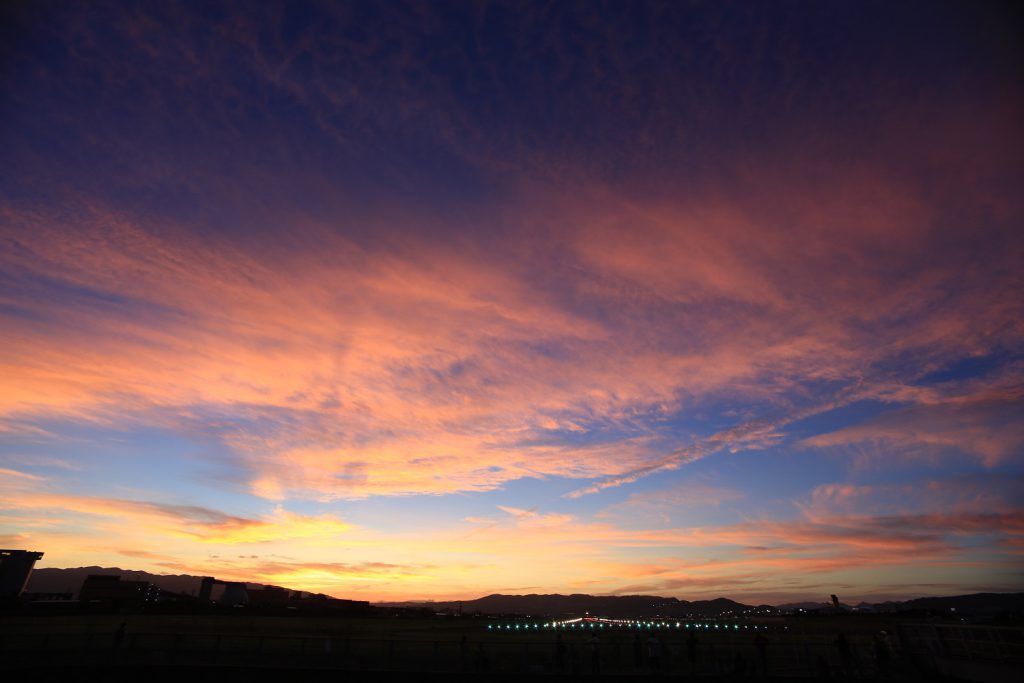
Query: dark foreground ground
(240, 674)
(235, 646)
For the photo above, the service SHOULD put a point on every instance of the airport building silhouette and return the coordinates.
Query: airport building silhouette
(15, 569)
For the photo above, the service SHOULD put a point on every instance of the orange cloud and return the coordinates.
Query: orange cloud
(188, 521)
(368, 368)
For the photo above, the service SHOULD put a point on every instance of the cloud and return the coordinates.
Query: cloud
(987, 427)
(313, 575)
(938, 525)
(517, 512)
(338, 265)
(791, 558)
(966, 492)
(4, 472)
(15, 540)
(189, 521)
(529, 519)
(144, 554)
(334, 366)
(664, 504)
(747, 436)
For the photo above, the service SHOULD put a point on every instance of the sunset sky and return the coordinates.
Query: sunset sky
(443, 299)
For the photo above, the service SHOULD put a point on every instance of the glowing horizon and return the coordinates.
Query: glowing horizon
(404, 302)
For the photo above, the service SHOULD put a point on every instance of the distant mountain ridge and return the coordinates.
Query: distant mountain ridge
(55, 580)
(620, 606)
(625, 606)
(968, 604)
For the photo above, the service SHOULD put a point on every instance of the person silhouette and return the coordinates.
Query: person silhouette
(654, 652)
(822, 668)
(559, 652)
(739, 669)
(483, 663)
(882, 653)
(119, 635)
(761, 646)
(845, 655)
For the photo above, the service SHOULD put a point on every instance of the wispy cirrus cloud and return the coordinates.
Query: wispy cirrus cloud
(987, 427)
(16, 474)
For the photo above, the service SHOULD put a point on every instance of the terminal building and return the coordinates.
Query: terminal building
(234, 592)
(109, 589)
(15, 569)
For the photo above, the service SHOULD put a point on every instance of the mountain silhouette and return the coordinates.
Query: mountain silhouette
(619, 606)
(54, 580)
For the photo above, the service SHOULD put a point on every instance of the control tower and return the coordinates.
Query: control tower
(15, 568)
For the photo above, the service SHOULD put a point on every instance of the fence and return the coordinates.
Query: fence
(794, 655)
(969, 652)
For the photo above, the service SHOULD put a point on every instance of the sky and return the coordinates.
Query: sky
(400, 301)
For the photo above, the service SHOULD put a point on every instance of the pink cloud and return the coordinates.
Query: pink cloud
(985, 426)
(400, 357)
